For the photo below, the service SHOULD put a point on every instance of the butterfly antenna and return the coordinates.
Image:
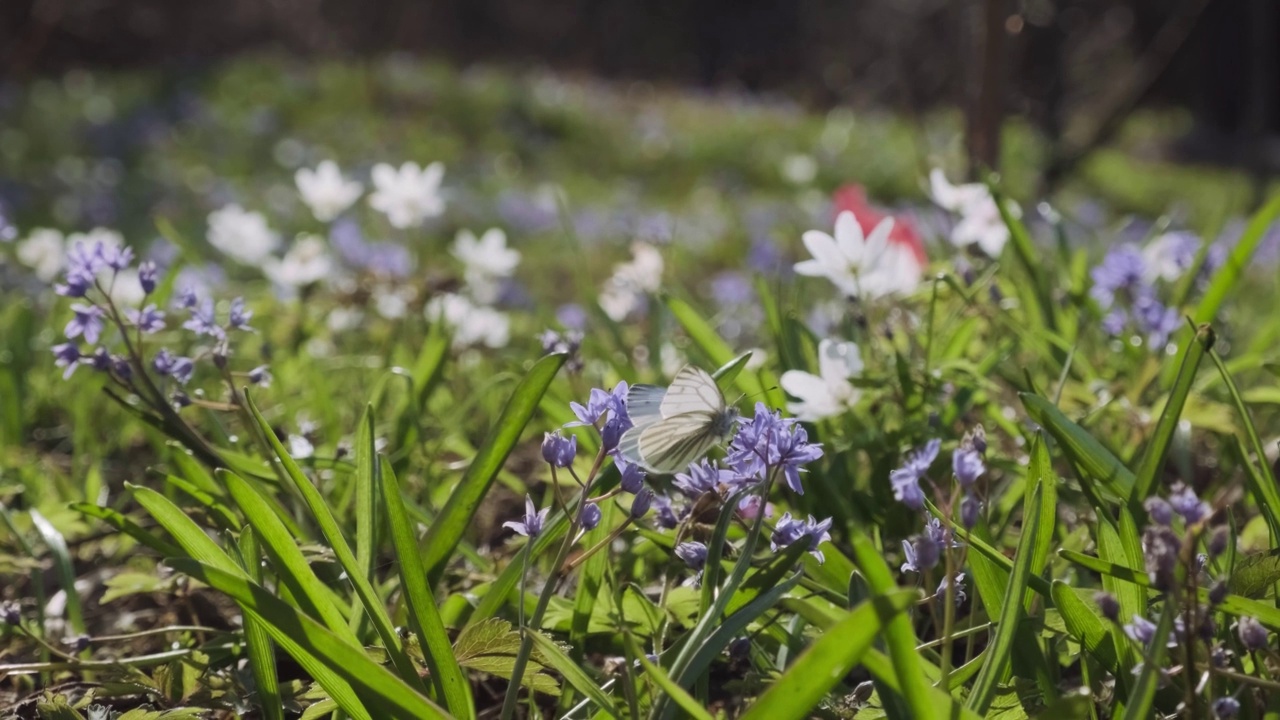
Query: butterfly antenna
(744, 396)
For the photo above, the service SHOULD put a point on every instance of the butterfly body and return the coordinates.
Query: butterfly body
(675, 426)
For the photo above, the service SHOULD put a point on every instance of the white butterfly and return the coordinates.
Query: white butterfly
(675, 426)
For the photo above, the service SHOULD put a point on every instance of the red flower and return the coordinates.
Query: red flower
(853, 198)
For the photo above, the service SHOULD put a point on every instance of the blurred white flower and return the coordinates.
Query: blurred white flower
(471, 324)
(241, 234)
(126, 289)
(326, 191)
(390, 303)
(670, 359)
(307, 262)
(300, 448)
(1170, 255)
(342, 319)
(44, 251)
(409, 195)
(627, 291)
(864, 267)
(799, 168)
(830, 392)
(488, 260)
(980, 222)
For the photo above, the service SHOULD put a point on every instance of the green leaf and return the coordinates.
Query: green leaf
(1085, 623)
(1012, 611)
(984, 548)
(300, 636)
(1094, 460)
(728, 372)
(320, 510)
(262, 656)
(572, 672)
(66, 569)
(366, 492)
(824, 663)
(1153, 459)
(424, 615)
(1227, 276)
(1255, 576)
(1263, 484)
(669, 686)
(899, 635)
(458, 511)
(126, 526)
(753, 384)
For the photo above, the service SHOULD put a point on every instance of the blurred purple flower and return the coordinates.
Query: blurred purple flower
(169, 365)
(87, 322)
(790, 530)
(148, 320)
(66, 355)
(906, 479)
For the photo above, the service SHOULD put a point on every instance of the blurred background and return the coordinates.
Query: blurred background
(1122, 105)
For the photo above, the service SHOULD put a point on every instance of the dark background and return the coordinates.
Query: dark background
(1073, 68)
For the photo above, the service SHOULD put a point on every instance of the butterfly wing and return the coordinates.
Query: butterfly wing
(692, 391)
(670, 444)
(644, 403)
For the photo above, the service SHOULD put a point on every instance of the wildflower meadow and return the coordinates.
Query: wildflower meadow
(518, 397)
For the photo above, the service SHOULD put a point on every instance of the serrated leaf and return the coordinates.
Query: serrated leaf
(1255, 576)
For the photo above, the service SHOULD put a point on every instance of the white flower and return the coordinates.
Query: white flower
(44, 251)
(307, 262)
(300, 448)
(471, 324)
(487, 261)
(126, 288)
(627, 291)
(241, 235)
(830, 392)
(865, 267)
(980, 222)
(409, 195)
(390, 303)
(342, 319)
(799, 168)
(1169, 256)
(325, 191)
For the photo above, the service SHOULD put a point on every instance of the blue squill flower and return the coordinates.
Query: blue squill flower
(148, 320)
(694, 554)
(87, 322)
(906, 479)
(66, 355)
(558, 450)
(531, 525)
(790, 530)
(238, 318)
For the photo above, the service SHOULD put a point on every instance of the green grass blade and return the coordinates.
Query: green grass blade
(458, 511)
(1040, 475)
(1153, 459)
(66, 570)
(1001, 650)
(1143, 695)
(794, 695)
(424, 616)
(1086, 624)
(122, 523)
(572, 672)
(660, 677)
(759, 385)
(881, 668)
(1094, 460)
(190, 536)
(261, 654)
(323, 516)
(1032, 263)
(366, 491)
(382, 691)
(984, 548)
(1228, 276)
(1265, 488)
(899, 635)
(290, 564)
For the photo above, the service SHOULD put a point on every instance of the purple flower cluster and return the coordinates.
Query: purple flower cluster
(791, 530)
(1124, 288)
(769, 440)
(607, 407)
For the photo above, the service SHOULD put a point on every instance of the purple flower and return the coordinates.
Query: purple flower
(769, 441)
(1159, 510)
(572, 316)
(239, 317)
(640, 503)
(100, 360)
(631, 474)
(666, 514)
(701, 477)
(77, 284)
(790, 530)
(960, 596)
(732, 289)
(694, 554)
(1252, 634)
(906, 479)
(534, 518)
(1108, 605)
(1161, 546)
(1225, 708)
(1121, 269)
(1154, 319)
(1114, 322)
(203, 321)
(970, 507)
(148, 274)
(967, 465)
(115, 257)
(261, 376)
(148, 319)
(169, 365)
(558, 450)
(120, 365)
(590, 516)
(749, 507)
(187, 298)
(1184, 501)
(87, 323)
(597, 405)
(66, 355)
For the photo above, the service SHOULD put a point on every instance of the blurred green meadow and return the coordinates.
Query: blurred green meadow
(331, 540)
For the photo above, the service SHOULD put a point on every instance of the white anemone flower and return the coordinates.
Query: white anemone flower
(242, 235)
(627, 291)
(307, 262)
(326, 191)
(44, 251)
(471, 324)
(980, 222)
(828, 393)
(487, 260)
(409, 195)
(865, 267)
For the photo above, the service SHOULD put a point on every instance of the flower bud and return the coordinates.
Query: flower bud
(590, 516)
(1108, 605)
(558, 450)
(970, 508)
(1252, 634)
(640, 505)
